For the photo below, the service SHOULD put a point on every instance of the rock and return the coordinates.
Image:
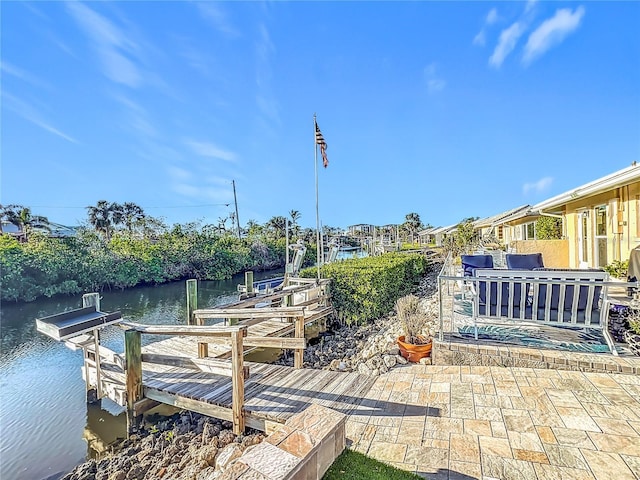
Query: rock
(363, 369)
(401, 360)
(389, 361)
(335, 365)
(118, 476)
(225, 437)
(208, 473)
(227, 455)
(394, 351)
(193, 469)
(425, 361)
(208, 454)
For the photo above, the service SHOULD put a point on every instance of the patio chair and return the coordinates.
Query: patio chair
(471, 262)
(524, 261)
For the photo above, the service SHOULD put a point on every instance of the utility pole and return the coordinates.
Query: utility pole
(235, 199)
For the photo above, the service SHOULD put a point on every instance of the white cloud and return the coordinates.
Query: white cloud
(479, 39)
(507, 42)
(10, 69)
(540, 186)
(207, 149)
(137, 117)
(178, 173)
(217, 18)
(552, 32)
(31, 114)
(113, 47)
(435, 82)
(530, 5)
(492, 17)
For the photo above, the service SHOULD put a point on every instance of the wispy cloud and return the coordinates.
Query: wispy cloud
(507, 42)
(435, 82)
(208, 149)
(540, 186)
(217, 18)
(114, 48)
(136, 117)
(14, 71)
(530, 5)
(265, 99)
(31, 114)
(490, 19)
(552, 32)
(203, 188)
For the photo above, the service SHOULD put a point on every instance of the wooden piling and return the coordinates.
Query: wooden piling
(248, 281)
(192, 300)
(133, 371)
(237, 381)
(298, 355)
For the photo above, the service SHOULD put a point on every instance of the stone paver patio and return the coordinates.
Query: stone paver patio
(477, 422)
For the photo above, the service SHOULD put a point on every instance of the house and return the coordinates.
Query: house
(491, 228)
(439, 234)
(426, 237)
(361, 230)
(600, 222)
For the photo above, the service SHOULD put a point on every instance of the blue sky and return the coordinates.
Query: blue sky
(443, 108)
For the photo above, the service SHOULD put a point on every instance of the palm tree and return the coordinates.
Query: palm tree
(412, 224)
(22, 218)
(277, 226)
(132, 215)
(295, 216)
(104, 216)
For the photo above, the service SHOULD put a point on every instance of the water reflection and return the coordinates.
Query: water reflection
(43, 414)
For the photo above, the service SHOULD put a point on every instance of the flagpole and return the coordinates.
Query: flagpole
(315, 154)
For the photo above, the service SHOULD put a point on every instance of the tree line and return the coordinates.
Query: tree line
(120, 246)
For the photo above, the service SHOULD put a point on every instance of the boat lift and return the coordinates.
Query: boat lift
(80, 328)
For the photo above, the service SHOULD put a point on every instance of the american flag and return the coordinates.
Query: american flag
(323, 146)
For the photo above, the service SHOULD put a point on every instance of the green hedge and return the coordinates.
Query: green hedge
(46, 266)
(364, 289)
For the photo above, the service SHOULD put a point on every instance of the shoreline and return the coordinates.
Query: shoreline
(192, 446)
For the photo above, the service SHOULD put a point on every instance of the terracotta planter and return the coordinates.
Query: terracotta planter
(412, 352)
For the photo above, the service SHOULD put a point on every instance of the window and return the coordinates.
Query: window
(530, 232)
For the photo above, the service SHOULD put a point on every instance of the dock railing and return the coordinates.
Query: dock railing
(253, 315)
(235, 369)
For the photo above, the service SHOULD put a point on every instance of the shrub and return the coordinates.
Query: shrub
(618, 269)
(367, 288)
(416, 322)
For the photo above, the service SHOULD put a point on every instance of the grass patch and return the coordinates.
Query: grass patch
(352, 465)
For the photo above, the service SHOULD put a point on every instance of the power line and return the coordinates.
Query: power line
(166, 206)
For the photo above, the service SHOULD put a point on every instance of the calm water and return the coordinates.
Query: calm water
(45, 426)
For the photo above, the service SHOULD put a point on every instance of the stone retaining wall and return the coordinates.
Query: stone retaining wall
(303, 448)
(454, 353)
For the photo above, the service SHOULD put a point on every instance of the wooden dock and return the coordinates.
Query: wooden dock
(201, 367)
(272, 393)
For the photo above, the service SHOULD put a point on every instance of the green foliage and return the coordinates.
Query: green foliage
(352, 465)
(463, 239)
(46, 266)
(549, 228)
(618, 269)
(367, 288)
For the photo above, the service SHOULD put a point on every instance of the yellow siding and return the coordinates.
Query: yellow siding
(622, 225)
(555, 253)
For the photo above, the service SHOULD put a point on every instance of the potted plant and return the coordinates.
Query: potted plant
(417, 324)
(632, 334)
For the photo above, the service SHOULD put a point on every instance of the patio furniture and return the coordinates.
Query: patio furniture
(503, 296)
(472, 262)
(524, 261)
